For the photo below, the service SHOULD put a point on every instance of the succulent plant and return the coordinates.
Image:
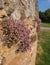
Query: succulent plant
(16, 32)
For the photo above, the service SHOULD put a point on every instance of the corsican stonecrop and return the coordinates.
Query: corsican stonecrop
(16, 32)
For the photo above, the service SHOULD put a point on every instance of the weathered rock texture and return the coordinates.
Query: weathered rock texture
(20, 8)
(25, 10)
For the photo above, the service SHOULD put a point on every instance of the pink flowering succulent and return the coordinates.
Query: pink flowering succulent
(16, 32)
(38, 23)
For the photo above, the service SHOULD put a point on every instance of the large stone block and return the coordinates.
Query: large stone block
(25, 10)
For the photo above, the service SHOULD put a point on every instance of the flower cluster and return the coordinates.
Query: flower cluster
(38, 23)
(16, 32)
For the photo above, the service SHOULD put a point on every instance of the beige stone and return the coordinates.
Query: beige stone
(23, 9)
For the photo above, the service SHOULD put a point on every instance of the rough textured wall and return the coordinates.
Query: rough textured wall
(19, 8)
(25, 10)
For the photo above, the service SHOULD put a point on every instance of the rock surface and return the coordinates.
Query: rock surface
(1, 4)
(24, 8)
(20, 9)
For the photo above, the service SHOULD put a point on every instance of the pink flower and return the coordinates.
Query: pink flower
(18, 32)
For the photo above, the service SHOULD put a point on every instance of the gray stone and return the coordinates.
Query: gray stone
(1, 4)
(25, 8)
(19, 8)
